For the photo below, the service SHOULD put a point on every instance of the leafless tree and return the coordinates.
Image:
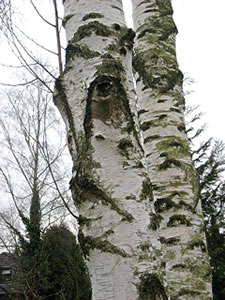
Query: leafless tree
(33, 168)
(23, 46)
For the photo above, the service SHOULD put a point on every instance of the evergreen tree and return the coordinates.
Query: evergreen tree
(57, 271)
(211, 166)
(209, 159)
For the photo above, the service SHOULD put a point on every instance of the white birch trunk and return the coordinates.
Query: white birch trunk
(174, 180)
(110, 183)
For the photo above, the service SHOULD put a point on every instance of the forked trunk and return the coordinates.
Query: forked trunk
(124, 217)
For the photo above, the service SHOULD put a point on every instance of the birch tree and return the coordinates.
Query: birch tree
(31, 178)
(175, 182)
(133, 180)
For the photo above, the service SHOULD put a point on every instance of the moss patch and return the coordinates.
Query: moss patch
(151, 288)
(168, 163)
(175, 147)
(146, 191)
(197, 242)
(92, 27)
(92, 16)
(165, 7)
(177, 220)
(89, 243)
(111, 67)
(200, 268)
(164, 204)
(163, 26)
(125, 147)
(155, 220)
(74, 49)
(189, 292)
(88, 189)
(61, 97)
(66, 19)
(127, 39)
(170, 241)
(161, 79)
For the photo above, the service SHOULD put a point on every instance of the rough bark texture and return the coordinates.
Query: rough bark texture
(128, 222)
(174, 180)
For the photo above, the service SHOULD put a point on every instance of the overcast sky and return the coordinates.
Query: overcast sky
(200, 49)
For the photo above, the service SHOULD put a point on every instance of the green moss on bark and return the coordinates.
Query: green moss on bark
(163, 204)
(155, 220)
(174, 148)
(170, 241)
(163, 77)
(151, 288)
(92, 27)
(86, 189)
(197, 242)
(125, 146)
(111, 67)
(89, 243)
(74, 49)
(177, 220)
(165, 7)
(169, 163)
(92, 15)
(163, 26)
(146, 191)
(66, 19)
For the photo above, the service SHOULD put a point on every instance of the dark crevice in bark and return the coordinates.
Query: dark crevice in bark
(85, 189)
(60, 100)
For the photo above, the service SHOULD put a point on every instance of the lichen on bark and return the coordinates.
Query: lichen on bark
(110, 183)
(175, 184)
(133, 180)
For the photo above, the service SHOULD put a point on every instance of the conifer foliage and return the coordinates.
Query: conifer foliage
(213, 204)
(56, 270)
(209, 159)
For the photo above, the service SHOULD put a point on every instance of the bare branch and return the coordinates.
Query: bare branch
(58, 38)
(40, 15)
(18, 84)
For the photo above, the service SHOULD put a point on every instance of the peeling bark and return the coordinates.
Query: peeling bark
(174, 180)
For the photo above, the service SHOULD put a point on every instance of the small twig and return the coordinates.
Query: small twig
(40, 15)
(58, 38)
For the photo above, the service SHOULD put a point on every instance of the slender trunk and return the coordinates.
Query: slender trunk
(174, 180)
(57, 29)
(35, 205)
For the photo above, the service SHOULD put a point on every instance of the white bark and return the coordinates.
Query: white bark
(141, 237)
(174, 180)
(110, 183)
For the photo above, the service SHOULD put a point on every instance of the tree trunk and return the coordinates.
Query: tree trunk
(174, 180)
(120, 213)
